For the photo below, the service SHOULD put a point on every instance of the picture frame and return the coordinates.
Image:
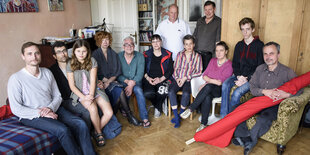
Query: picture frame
(55, 5)
(162, 9)
(17, 6)
(195, 10)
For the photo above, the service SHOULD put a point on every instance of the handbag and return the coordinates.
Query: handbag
(112, 128)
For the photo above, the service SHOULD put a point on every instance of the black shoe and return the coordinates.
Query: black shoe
(237, 141)
(132, 120)
(248, 147)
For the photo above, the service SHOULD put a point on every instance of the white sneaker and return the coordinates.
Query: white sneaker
(157, 113)
(200, 127)
(186, 113)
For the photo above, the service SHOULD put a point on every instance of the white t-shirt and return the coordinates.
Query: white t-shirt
(172, 35)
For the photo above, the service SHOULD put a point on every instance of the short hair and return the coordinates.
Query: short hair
(247, 20)
(28, 44)
(189, 37)
(101, 35)
(173, 5)
(273, 43)
(128, 38)
(209, 3)
(58, 44)
(156, 36)
(222, 43)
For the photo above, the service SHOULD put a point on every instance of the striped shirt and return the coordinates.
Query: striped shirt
(190, 69)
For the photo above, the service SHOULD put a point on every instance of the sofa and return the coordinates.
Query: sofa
(16, 138)
(289, 115)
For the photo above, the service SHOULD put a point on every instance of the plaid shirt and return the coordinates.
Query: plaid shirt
(190, 69)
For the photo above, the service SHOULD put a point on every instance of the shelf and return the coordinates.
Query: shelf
(145, 44)
(145, 18)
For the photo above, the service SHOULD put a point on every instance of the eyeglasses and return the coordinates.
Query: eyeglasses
(155, 41)
(129, 45)
(59, 51)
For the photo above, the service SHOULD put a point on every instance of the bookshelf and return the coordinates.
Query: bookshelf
(146, 19)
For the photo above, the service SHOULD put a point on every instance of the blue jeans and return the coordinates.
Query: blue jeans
(186, 92)
(78, 110)
(62, 128)
(228, 106)
(137, 90)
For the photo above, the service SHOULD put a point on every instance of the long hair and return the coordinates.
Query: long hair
(75, 64)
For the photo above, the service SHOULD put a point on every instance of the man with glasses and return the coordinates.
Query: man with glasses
(132, 63)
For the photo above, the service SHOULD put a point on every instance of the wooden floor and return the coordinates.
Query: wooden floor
(163, 139)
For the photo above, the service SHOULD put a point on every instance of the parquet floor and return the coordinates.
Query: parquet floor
(163, 139)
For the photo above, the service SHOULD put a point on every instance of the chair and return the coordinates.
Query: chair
(287, 123)
(195, 84)
(169, 105)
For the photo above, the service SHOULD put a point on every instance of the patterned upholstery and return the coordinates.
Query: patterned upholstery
(289, 115)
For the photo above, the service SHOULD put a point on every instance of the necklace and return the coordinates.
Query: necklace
(220, 64)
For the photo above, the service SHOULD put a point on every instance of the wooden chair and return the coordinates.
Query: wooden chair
(169, 105)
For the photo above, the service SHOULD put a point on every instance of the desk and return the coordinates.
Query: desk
(47, 56)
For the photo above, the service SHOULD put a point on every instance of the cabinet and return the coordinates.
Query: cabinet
(146, 19)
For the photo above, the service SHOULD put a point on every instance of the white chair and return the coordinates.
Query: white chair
(195, 84)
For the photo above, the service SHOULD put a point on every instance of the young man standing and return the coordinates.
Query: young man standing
(247, 56)
(207, 33)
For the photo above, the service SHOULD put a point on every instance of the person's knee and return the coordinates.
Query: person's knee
(149, 94)
(63, 131)
(92, 108)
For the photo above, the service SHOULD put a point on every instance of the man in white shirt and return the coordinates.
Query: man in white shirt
(35, 99)
(172, 31)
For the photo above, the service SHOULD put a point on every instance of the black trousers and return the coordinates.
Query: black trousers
(263, 124)
(156, 94)
(204, 98)
(206, 57)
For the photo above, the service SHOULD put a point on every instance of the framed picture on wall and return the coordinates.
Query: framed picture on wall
(162, 9)
(55, 5)
(18, 6)
(195, 10)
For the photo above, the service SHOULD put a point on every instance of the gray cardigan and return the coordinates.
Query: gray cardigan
(78, 80)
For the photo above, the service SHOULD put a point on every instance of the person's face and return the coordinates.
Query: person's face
(128, 46)
(271, 55)
(32, 56)
(189, 45)
(247, 30)
(61, 54)
(173, 14)
(105, 43)
(156, 44)
(220, 52)
(81, 53)
(209, 11)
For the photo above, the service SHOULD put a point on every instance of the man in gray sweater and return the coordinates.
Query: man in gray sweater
(35, 99)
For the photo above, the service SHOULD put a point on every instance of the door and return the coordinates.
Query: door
(303, 64)
(121, 16)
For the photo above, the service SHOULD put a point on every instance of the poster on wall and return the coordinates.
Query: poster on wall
(55, 5)
(18, 6)
(195, 10)
(162, 9)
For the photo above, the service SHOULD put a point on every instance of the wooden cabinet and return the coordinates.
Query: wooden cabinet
(146, 21)
(283, 21)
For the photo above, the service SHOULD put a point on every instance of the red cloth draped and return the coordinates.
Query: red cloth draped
(220, 133)
(5, 112)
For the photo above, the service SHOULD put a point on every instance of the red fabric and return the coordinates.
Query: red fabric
(5, 112)
(220, 133)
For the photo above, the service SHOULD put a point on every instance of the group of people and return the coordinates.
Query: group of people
(84, 92)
